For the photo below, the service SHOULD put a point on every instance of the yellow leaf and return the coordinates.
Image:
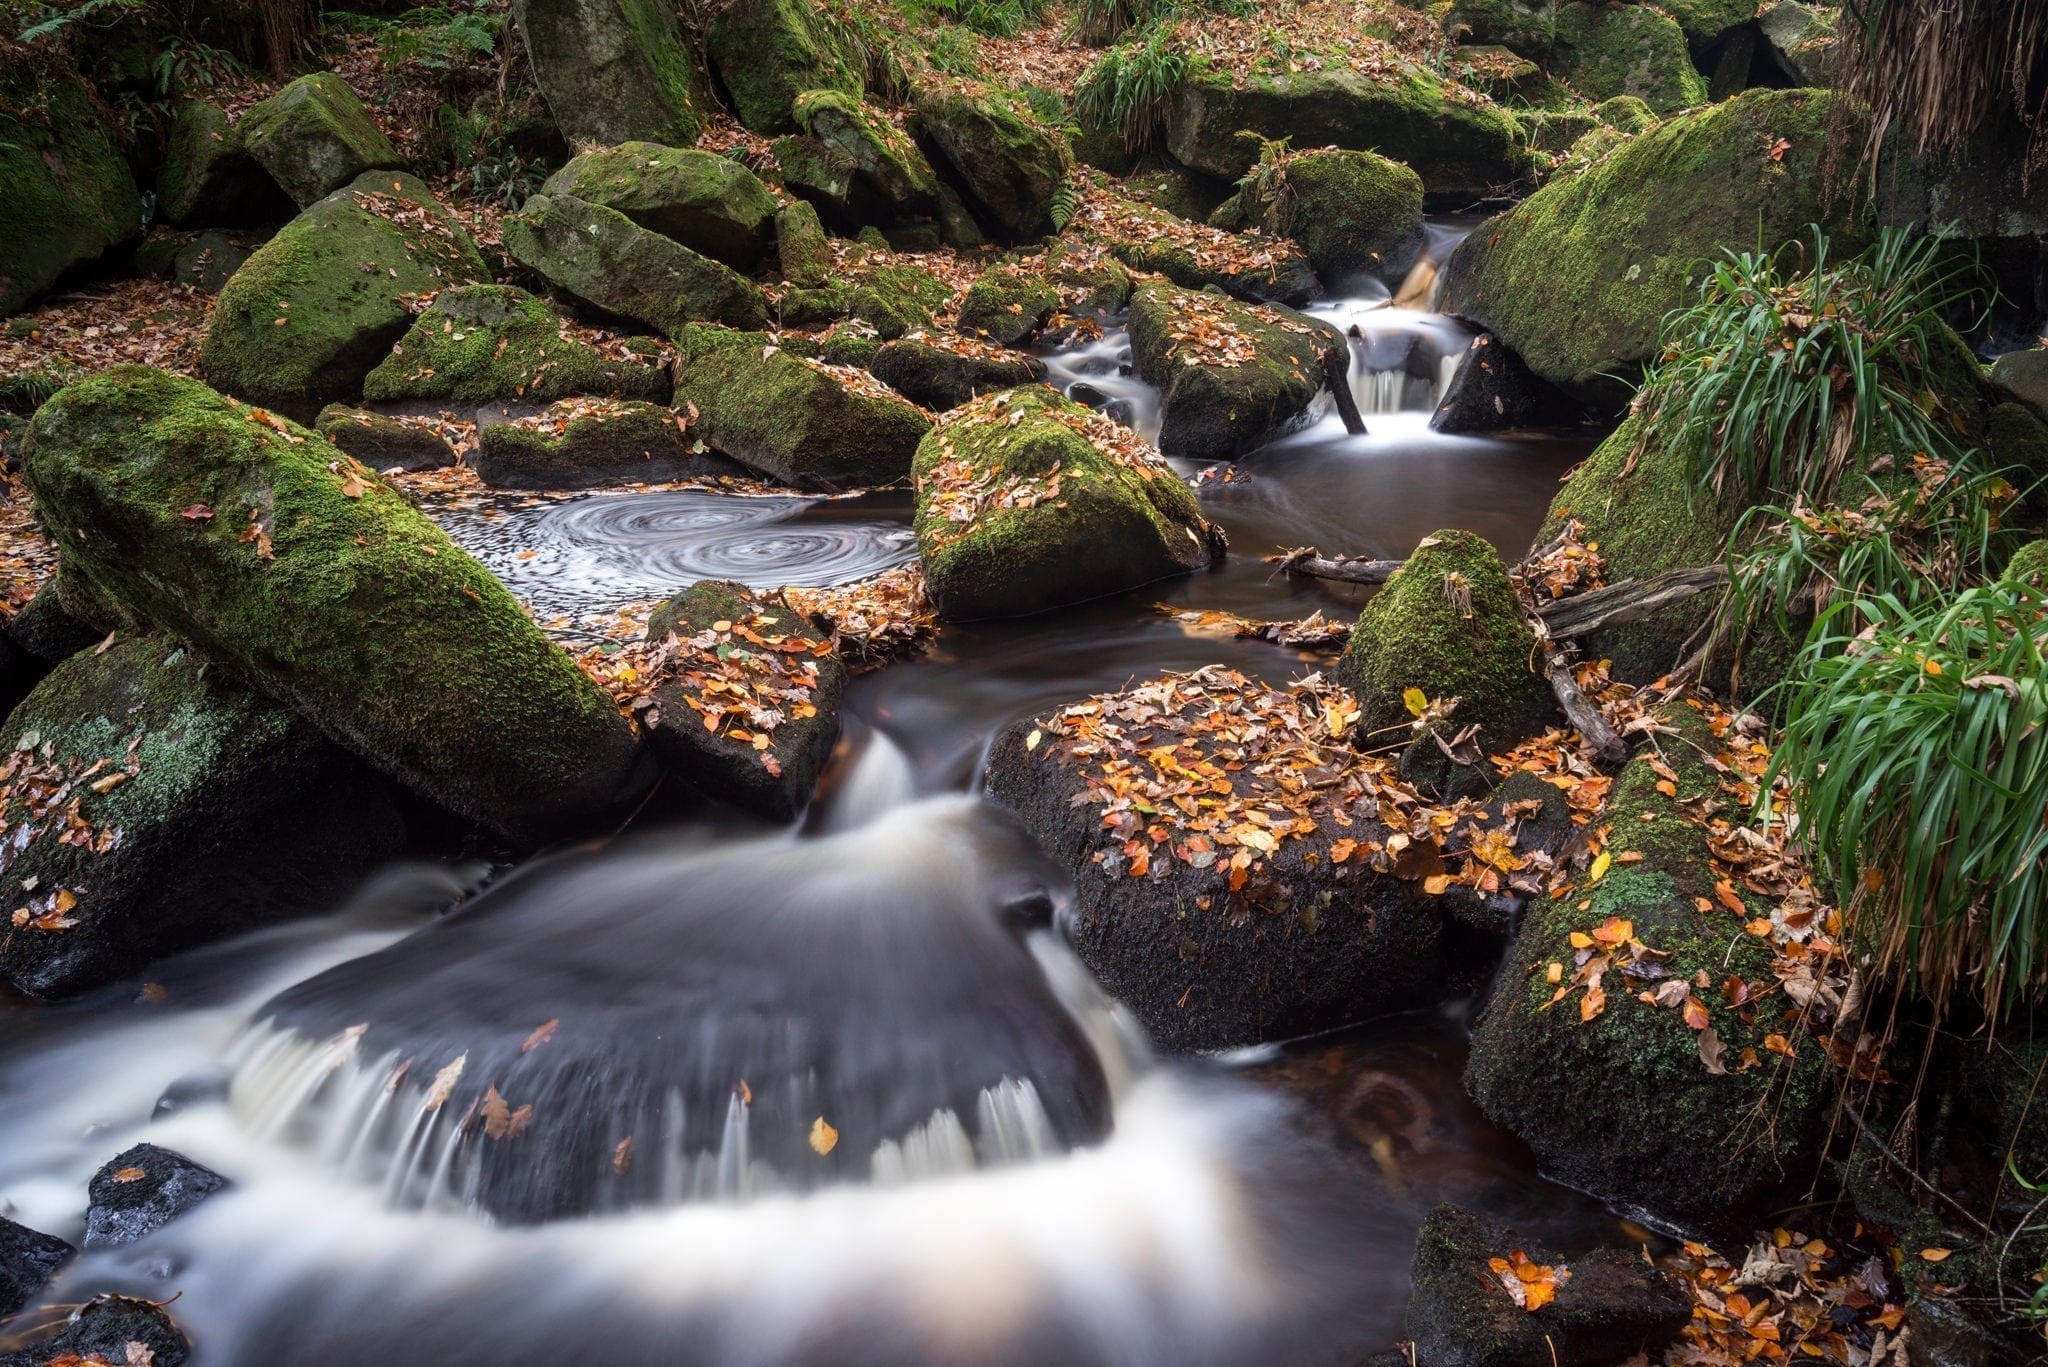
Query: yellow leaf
(823, 1137)
(1436, 884)
(1936, 1255)
(1416, 699)
(1604, 862)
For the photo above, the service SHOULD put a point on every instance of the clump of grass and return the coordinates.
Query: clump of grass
(1917, 749)
(1785, 378)
(1131, 87)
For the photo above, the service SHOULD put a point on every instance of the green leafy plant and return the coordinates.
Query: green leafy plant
(1916, 745)
(1787, 378)
(1131, 87)
(87, 13)
(437, 39)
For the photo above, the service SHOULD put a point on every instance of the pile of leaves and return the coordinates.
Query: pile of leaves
(1566, 565)
(1381, 43)
(1793, 1298)
(874, 622)
(554, 420)
(27, 555)
(138, 322)
(40, 796)
(1108, 216)
(1205, 331)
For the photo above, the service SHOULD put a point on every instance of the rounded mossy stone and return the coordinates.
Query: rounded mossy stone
(478, 343)
(2029, 564)
(1356, 214)
(318, 306)
(1150, 239)
(1604, 50)
(896, 299)
(1637, 1137)
(1578, 277)
(1006, 305)
(612, 264)
(325, 589)
(314, 136)
(1218, 409)
(711, 204)
(850, 347)
(69, 198)
(1007, 165)
(800, 244)
(614, 71)
(1101, 520)
(791, 418)
(208, 179)
(768, 52)
(201, 810)
(899, 184)
(1706, 23)
(933, 377)
(777, 781)
(597, 446)
(1525, 29)
(1449, 623)
(1625, 114)
(382, 442)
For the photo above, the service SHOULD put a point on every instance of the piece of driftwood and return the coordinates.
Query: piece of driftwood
(1628, 601)
(1305, 560)
(1337, 376)
(1585, 718)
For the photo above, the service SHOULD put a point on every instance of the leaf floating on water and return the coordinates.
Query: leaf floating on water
(541, 1035)
(444, 1084)
(823, 1137)
(500, 1120)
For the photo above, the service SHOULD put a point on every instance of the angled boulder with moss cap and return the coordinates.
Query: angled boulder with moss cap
(208, 179)
(892, 181)
(479, 343)
(607, 261)
(591, 444)
(1607, 50)
(70, 198)
(1028, 501)
(202, 810)
(1007, 164)
(807, 424)
(318, 306)
(614, 70)
(711, 204)
(314, 136)
(1662, 1130)
(768, 52)
(274, 555)
(1356, 214)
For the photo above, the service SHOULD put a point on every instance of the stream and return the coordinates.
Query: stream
(1012, 1174)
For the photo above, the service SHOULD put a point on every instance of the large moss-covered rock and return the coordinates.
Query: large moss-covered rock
(1605, 50)
(208, 179)
(315, 136)
(383, 442)
(201, 810)
(1653, 1126)
(939, 374)
(1006, 163)
(607, 261)
(326, 590)
(1578, 277)
(1525, 27)
(892, 181)
(1028, 501)
(1449, 623)
(711, 204)
(1458, 142)
(1197, 256)
(614, 71)
(1709, 23)
(801, 247)
(805, 423)
(1231, 376)
(735, 646)
(593, 444)
(66, 196)
(320, 305)
(477, 343)
(768, 52)
(892, 299)
(1799, 39)
(1356, 214)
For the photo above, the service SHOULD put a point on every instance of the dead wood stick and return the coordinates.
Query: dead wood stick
(1337, 376)
(1350, 570)
(1627, 601)
(1585, 718)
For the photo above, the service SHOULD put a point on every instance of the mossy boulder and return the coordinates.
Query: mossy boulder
(383, 442)
(201, 810)
(800, 245)
(1197, 256)
(1231, 376)
(711, 204)
(69, 197)
(1356, 214)
(49, 628)
(318, 306)
(733, 642)
(1799, 39)
(936, 375)
(892, 181)
(204, 260)
(1525, 27)
(2024, 375)
(1449, 623)
(802, 422)
(1008, 165)
(1610, 1305)
(319, 586)
(478, 343)
(891, 299)
(1028, 501)
(208, 179)
(1460, 143)
(766, 53)
(1605, 50)
(585, 444)
(1577, 278)
(1709, 23)
(1623, 1105)
(2029, 564)
(606, 261)
(614, 71)
(314, 136)
(1009, 303)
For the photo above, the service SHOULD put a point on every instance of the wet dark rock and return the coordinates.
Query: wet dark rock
(711, 204)
(314, 136)
(940, 379)
(598, 444)
(604, 259)
(1494, 390)
(1614, 1305)
(101, 1330)
(775, 782)
(142, 1189)
(2024, 375)
(49, 628)
(382, 442)
(204, 260)
(1799, 39)
(614, 70)
(28, 1259)
(208, 179)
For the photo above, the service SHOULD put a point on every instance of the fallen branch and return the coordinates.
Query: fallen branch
(1305, 560)
(1629, 601)
(1579, 710)
(1337, 377)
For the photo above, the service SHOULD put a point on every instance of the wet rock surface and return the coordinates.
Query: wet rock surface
(142, 1189)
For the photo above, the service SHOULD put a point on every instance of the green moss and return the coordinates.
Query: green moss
(1006, 163)
(1112, 525)
(711, 204)
(611, 263)
(315, 136)
(319, 305)
(68, 196)
(800, 241)
(615, 70)
(1626, 114)
(1707, 22)
(1605, 50)
(1578, 277)
(364, 616)
(2029, 563)
(1525, 29)
(381, 442)
(208, 178)
(477, 343)
(768, 52)
(1448, 623)
(1149, 239)
(1356, 214)
(1218, 411)
(1006, 304)
(597, 446)
(901, 185)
